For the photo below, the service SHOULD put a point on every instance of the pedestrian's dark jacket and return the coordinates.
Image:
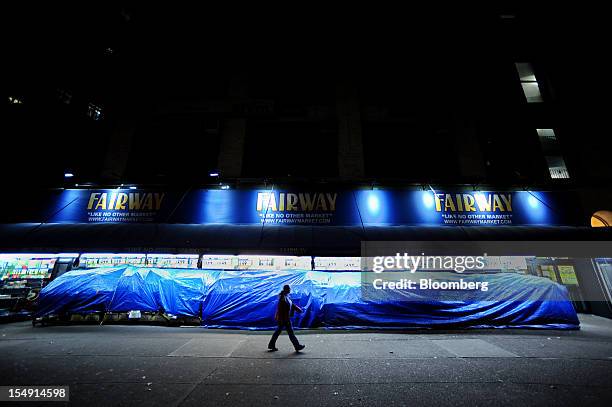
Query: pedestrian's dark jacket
(285, 308)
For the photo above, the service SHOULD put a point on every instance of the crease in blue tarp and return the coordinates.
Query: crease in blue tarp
(247, 299)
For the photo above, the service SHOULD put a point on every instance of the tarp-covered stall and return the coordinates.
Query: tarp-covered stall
(246, 299)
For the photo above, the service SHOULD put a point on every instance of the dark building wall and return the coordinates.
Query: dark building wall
(395, 103)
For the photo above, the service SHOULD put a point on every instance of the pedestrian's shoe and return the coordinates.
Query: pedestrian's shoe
(272, 349)
(299, 348)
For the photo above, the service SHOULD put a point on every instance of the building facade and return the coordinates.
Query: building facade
(198, 140)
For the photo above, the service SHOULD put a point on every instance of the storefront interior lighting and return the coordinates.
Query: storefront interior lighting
(213, 174)
(67, 255)
(68, 174)
(191, 256)
(28, 255)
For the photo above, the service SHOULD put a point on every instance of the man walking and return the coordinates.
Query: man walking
(284, 312)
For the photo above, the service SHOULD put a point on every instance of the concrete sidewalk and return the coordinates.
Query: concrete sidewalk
(148, 365)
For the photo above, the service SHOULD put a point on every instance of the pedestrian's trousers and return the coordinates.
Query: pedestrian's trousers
(279, 329)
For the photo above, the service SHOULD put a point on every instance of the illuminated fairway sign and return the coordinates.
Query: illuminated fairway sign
(335, 207)
(474, 208)
(303, 207)
(123, 207)
(125, 201)
(478, 202)
(113, 206)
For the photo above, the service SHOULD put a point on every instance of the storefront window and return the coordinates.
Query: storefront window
(567, 274)
(604, 268)
(561, 271)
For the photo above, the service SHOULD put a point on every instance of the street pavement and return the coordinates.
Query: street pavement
(190, 366)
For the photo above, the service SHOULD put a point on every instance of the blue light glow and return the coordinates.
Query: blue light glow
(217, 206)
(532, 208)
(428, 199)
(373, 203)
(481, 201)
(374, 207)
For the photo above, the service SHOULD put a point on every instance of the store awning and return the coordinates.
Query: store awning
(235, 239)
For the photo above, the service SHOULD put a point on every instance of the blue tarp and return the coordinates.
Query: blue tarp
(247, 299)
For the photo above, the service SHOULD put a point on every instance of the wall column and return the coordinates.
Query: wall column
(468, 150)
(350, 144)
(233, 133)
(120, 144)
